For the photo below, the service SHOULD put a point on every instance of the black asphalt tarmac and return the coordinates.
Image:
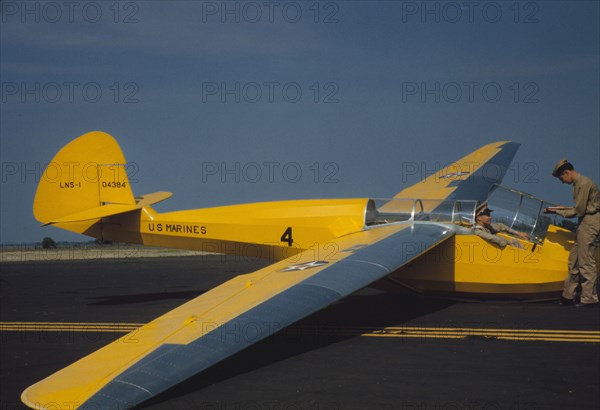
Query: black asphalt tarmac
(324, 362)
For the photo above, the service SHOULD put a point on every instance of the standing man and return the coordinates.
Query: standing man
(582, 265)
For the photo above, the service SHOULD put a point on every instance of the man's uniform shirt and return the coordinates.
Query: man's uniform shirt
(586, 197)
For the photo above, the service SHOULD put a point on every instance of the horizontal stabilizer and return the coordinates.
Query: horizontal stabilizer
(95, 213)
(153, 198)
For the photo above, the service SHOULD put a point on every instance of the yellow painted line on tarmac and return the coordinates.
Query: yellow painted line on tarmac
(408, 332)
(67, 326)
(556, 335)
(549, 335)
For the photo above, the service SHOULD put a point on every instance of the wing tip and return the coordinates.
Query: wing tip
(510, 143)
(29, 402)
(503, 144)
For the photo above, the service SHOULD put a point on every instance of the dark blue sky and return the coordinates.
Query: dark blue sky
(233, 102)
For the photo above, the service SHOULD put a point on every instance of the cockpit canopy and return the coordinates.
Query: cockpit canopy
(518, 210)
(382, 211)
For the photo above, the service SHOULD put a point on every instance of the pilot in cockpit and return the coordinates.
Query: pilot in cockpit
(487, 230)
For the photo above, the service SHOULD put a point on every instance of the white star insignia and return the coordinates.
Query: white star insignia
(304, 266)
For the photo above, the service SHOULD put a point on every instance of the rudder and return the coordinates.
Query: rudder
(89, 172)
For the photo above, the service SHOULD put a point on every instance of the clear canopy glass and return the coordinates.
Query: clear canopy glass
(381, 211)
(518, 210)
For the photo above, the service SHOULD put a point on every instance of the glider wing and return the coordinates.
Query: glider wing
(231, 317)
(470, 177)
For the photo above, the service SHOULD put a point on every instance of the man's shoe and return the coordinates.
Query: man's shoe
(586, 305)
(564, 302)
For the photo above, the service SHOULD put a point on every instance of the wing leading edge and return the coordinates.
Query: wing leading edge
(215, 325)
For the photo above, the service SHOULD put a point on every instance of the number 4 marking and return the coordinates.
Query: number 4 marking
(287, 236)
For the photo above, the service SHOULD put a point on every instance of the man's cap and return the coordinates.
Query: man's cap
(483, 210)
(560, 167)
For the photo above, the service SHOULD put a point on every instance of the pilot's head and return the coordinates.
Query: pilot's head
(483, 214)
(564, 171)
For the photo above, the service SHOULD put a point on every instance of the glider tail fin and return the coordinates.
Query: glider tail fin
(85, 180)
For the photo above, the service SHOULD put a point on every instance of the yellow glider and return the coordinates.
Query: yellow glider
(325, 250)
